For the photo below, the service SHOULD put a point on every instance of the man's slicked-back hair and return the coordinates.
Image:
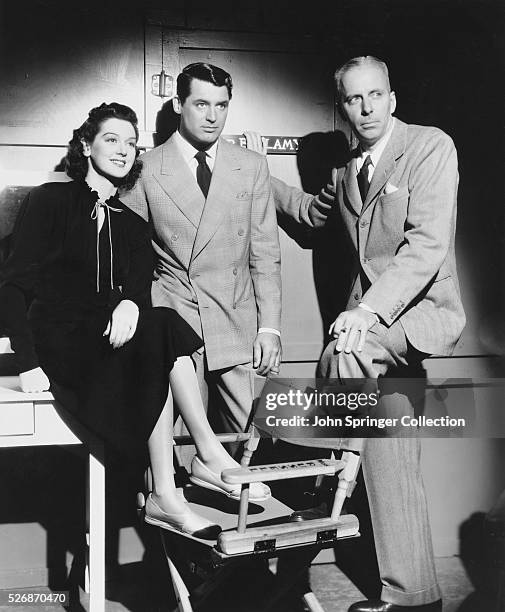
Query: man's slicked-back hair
(203, 72)
(356, 62)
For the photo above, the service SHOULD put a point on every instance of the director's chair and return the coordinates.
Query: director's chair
(256, 531)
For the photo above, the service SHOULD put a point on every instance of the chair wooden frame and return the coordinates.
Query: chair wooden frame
(300, 541)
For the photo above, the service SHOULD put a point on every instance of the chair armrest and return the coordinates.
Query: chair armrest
(222, 437)
(278, 471)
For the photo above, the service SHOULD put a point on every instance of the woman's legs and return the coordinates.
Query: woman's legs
(213, 458)
(162, 461)
(164, 508)
(186, 392)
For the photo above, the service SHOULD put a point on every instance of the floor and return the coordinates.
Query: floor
(130, 591)
(335, 593)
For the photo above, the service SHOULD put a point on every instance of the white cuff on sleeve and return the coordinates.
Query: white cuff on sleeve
(368, 309)
(269, 330)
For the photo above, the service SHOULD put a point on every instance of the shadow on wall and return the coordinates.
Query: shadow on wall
(56, 477)
(482, 551)
(332, 255)
(167, 122)
(62, 495)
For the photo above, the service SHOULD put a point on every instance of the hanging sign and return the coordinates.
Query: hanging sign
(276, 145)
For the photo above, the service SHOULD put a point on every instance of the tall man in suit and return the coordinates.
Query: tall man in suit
(396, 196)
(216, 240)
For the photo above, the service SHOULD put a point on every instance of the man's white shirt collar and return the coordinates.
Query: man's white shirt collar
(376, 151)
(188, 151)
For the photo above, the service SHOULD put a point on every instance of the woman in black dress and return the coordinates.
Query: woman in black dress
(82, 262)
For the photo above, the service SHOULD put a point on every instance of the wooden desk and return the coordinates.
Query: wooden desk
(31, 419)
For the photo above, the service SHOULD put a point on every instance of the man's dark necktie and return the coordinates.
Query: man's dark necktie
(363, 182)
(203, 173)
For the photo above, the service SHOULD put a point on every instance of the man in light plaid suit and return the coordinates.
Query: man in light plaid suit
(217, 244)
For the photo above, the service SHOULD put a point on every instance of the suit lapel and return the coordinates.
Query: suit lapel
(178, 182)
(387, 162)
(222, 194)
(351, 187)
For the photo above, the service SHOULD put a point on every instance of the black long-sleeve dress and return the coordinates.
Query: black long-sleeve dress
(72, 276)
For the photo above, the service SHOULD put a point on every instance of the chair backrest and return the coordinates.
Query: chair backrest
(14, 185)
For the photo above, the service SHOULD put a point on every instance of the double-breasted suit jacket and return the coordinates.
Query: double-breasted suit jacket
(218, 261)
(403, 235)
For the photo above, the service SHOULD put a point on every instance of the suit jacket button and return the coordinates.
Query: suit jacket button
(234, 271)
(241, 232)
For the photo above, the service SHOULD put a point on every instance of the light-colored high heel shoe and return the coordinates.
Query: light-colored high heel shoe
(203, 477)
(187, 522)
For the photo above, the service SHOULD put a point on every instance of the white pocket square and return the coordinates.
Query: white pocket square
(390, 188)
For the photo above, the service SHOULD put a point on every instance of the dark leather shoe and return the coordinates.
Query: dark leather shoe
(376, 605)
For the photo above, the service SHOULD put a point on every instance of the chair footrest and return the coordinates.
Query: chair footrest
(278, 471)
(274, 537)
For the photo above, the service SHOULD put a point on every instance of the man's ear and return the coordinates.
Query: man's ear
(86, 149)
(392, 101)
(176, 103)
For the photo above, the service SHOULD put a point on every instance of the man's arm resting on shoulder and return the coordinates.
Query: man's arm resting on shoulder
(304, 207)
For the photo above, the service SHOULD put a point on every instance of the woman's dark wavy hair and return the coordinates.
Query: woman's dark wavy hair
(76, 164)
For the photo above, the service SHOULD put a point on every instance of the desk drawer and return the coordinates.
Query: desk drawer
(16, 419)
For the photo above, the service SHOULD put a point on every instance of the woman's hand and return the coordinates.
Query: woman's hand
(123, 323)
(34, 380)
